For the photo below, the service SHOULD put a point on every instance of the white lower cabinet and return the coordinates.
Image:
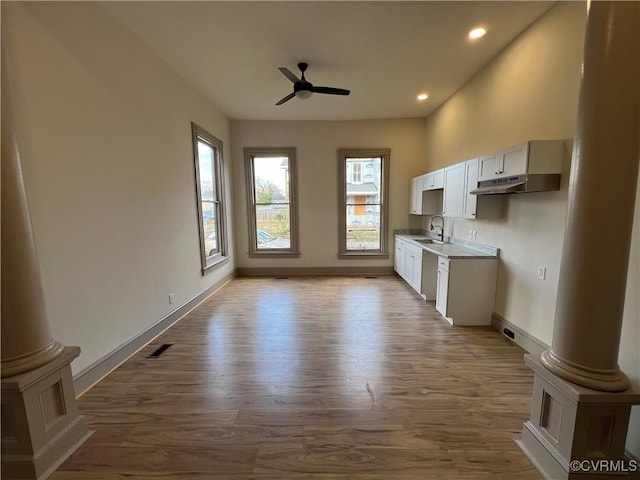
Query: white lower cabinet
(407, 263)
(442, 288)
(398, 257)
(466, 290)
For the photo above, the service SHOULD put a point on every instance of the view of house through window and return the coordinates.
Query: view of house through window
(363, 190)
(363, 194)
(272, 196)
(208, 168)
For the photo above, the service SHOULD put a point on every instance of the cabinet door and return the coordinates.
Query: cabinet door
(397, 259)
(407, 265)
(514, 160)
(488, 166)
(453, 201)
(416, 279)
(442, 291)
(471, 182)
(438, 179)
(415, 190)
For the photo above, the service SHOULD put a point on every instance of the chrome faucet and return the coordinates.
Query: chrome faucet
(441, 226)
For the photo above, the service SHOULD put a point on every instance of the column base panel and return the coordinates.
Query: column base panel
(42, 465)
(549, 466)
(41, 426)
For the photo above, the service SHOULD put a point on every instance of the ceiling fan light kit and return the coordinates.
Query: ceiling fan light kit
(303, 89)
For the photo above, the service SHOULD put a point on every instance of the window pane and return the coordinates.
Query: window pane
(273, 226)
(363, 227)
(271, 184)
(271, 179)
(206, 156)
(207, 180)
(363, 200)
(210, 228)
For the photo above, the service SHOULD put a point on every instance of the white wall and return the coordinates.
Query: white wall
(530, 91)
(105, 138)
(317, 145)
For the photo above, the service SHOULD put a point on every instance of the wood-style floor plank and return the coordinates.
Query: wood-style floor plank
(309, 378)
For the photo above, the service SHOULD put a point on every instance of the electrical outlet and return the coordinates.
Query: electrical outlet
(475, 235)
(470, 234)
(172, 298)
(542, 272)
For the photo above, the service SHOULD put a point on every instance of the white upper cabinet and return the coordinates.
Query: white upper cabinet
(454, 190)
(514, 160)
(471, 182)
(505, 163)
(434, 180)
(424, 201)
(415, 206)
(536, 156)
(488, 166)
(479, 207)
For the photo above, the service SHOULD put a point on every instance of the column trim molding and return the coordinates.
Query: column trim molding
(606, 380)
(30, 361)
(89, 376)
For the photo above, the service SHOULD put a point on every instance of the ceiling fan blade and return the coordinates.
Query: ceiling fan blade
(287, 73)
(286, 99)
(331, 90)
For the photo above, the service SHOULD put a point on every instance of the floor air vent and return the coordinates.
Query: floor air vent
(370, 276)
(282, 278)
(160, 350)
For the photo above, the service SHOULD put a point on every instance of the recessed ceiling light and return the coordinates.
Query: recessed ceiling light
(477, 33)
(422, 97)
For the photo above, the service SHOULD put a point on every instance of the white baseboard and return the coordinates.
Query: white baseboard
(95, 372)
(527, 341)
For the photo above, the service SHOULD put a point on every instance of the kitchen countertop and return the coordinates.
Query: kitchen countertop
(454, 250)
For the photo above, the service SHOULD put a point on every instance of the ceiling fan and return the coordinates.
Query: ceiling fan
(304, 89)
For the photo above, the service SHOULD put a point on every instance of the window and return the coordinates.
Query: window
(356, 172)
(363, 216)
(207, 154)
(272, 201)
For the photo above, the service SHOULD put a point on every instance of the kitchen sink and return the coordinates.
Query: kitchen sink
(427, 241)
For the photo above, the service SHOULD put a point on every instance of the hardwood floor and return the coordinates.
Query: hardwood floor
(311, 378)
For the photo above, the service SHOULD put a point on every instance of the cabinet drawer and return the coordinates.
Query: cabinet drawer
(443, 263)
(413, 249)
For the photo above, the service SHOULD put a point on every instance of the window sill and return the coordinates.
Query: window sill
(358, 254)
(274, 254)
(217, 262)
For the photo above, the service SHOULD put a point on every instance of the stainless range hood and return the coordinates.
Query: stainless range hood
(526, 183)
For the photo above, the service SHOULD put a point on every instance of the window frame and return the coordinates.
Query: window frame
(385, 156)
(271, 152)
(209, 262)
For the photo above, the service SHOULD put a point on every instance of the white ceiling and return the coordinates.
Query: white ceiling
(384, 52)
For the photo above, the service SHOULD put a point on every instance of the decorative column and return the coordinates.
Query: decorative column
(40, 422)
(581, 400)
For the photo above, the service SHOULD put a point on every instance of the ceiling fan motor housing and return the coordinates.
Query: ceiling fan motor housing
(303, 89)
